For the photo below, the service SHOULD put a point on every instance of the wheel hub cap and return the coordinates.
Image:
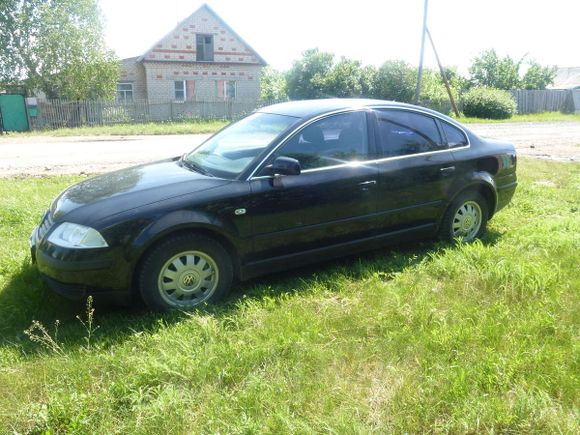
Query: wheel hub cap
(188, 278)
(467, 221)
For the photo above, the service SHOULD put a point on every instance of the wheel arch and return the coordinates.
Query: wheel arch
(483, 183)
(201, 229)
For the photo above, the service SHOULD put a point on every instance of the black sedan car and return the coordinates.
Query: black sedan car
(290, 184)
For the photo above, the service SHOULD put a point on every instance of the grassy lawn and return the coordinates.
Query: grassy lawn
(149, 128)
(428, 337)
(534, 117)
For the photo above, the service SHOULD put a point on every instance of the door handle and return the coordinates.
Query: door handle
(365, 185)
(447, 171)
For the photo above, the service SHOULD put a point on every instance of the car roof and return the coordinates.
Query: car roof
(305, 109)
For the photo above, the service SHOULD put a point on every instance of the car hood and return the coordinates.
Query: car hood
(129, 188)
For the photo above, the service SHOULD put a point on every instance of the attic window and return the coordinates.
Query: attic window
(204, 47)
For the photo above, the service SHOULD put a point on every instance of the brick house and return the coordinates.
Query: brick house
(202, 59)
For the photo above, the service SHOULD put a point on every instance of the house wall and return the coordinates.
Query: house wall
(134, 72)
(161, 77)
(180, 45)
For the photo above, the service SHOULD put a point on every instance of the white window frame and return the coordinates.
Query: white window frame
(183, 90)
(122, 93)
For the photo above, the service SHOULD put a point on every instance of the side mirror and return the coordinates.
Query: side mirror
(285, 166)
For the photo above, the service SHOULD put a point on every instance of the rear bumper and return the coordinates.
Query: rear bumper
(505, 194)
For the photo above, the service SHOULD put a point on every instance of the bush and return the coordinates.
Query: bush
(489, 103)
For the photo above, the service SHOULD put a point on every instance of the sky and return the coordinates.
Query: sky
(371, 31)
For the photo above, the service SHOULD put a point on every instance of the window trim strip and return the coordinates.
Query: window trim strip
(355, 109)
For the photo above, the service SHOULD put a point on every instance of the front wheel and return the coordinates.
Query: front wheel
(466, 218)
(183, 272)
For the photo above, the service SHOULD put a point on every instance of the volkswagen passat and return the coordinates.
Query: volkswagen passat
(291, 184)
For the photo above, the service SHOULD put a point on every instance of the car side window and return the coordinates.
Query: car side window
(334, 140)
(402, 133)
(455, 137)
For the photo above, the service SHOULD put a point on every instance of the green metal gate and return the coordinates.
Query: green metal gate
(13, 116)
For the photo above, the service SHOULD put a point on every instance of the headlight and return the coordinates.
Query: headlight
(76, 236)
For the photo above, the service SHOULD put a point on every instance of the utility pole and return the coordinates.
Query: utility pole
(443, 75)
(420, 73)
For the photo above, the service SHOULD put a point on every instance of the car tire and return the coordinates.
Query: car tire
(183, 272)
(466, 218)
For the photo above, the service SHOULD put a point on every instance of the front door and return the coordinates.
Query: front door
(332, 201)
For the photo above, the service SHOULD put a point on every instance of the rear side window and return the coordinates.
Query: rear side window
(455, 137)
(404, 133)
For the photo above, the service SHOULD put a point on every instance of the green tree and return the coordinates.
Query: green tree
(434, 93)
(396, 80)
(538, 76)
(458, 82)
(490, 71)
(368, 80)
(57, 47)
(273, 85)
(306, 78)
(344, 79)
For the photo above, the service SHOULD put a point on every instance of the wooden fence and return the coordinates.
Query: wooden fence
(549, 100)
(59, 113)
(530, 101)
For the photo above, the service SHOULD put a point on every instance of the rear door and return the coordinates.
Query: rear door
(416, 170)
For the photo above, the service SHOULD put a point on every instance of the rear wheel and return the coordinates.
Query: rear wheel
(183, 272)
(466, 218)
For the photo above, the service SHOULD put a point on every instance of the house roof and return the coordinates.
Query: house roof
(127, 59)
(205, 7)
(567, 78)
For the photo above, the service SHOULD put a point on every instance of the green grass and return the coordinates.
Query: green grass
(149, 128)
(481, 337)
(533, 117)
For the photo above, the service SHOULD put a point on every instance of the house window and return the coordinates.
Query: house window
(180, 90)
(184, 90)
(226, 89)
(204, 47)
(124, 92)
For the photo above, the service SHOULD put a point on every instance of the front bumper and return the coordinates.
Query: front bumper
(78, 292)
(76, 274)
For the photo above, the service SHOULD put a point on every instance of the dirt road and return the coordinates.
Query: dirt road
(547, 140)
(95, 154)
(73, 155)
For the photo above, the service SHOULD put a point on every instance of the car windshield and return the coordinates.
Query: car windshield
(231, 151)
